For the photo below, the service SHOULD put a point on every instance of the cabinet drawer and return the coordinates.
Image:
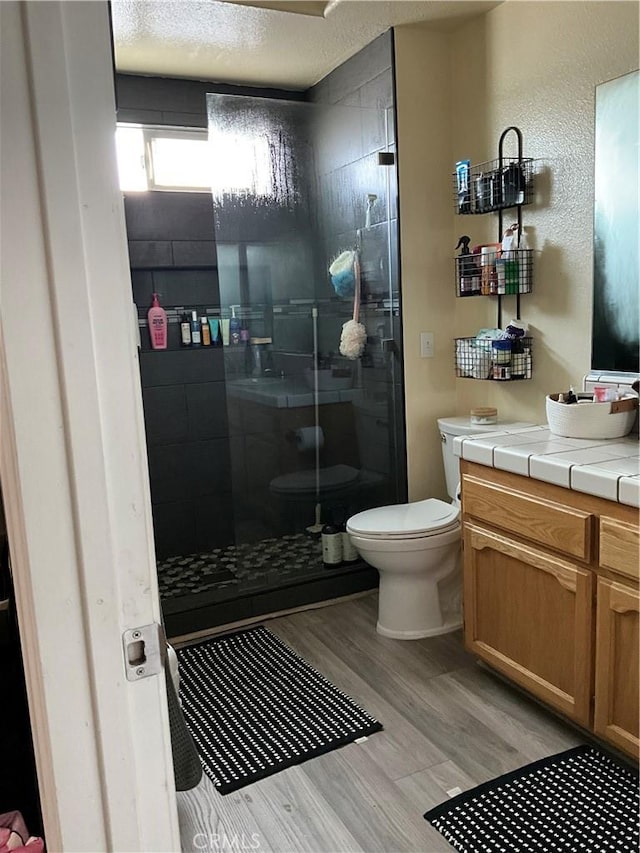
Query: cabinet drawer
(551, 524)
(620, 546)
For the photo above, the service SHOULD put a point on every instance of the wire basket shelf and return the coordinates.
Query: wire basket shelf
(506, 360)
(494, 273)
(493, 185)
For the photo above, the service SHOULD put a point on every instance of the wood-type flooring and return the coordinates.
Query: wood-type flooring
(448, 724)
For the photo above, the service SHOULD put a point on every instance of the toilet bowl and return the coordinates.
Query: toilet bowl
(416, 549)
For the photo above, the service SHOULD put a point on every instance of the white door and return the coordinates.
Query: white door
(72, 449)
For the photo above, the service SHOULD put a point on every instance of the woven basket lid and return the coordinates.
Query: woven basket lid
(484, 412)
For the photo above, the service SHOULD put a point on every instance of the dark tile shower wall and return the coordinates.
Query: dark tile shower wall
(172, 253)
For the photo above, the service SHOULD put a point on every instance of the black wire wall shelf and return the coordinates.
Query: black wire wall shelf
(495, 186)
(505, 360)
(494, 273)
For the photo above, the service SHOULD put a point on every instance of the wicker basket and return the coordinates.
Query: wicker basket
(586, 419)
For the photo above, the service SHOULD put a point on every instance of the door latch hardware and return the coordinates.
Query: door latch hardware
(144, 651)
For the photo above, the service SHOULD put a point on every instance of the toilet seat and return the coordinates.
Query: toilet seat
(302, 483)
(414, 520)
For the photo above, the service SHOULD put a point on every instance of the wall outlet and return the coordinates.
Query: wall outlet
(426, 344)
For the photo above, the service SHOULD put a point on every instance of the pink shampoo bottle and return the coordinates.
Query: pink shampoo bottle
(157, 318)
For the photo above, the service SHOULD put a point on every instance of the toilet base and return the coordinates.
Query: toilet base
(450, 625)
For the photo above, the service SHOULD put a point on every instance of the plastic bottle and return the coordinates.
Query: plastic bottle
(196, 334)
(331, 545)
(157, 318)
(510, 256)
(349, 552)
(205, 332)
(524, 257)
(487, 254)
(185, 331)
(234, 327)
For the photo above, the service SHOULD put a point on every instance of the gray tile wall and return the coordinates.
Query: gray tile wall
(172, 252)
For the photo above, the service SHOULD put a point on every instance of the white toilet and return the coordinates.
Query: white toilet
(416, 549)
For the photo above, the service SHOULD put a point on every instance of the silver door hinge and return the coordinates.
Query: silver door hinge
(144, 651)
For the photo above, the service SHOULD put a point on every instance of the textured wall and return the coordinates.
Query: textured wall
(534, 65)
(423, 104)
(542, 63)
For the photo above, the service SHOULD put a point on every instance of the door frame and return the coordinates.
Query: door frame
(73, 461)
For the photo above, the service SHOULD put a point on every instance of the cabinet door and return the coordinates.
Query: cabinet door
(616, 708)
(529, 615)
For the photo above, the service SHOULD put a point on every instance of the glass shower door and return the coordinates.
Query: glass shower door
(314, 436)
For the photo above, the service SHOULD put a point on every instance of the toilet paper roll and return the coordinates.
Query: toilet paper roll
(308, 438)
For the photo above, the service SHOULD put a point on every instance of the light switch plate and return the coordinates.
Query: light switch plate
(426, 344)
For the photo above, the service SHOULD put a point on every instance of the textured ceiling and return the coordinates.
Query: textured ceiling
(234, 43)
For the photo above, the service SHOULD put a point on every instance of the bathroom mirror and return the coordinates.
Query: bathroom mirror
(616, 308)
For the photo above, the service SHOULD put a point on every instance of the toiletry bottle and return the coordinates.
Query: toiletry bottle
(196, 334)
(518, 368)
(462, 179)
(234, 327)
(475, 270)
(501, 275)
(486, 260)
(510, 261)
(465, 266)
(185, 330)
(157, 318)
(331, 545)
(524, 263)
(214, 331)
(205, 332)
(349, 552)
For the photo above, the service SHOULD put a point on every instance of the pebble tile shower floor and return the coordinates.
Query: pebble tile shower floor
(242, 568)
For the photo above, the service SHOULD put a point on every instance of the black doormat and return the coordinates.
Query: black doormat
(581, 800)
(255, 707)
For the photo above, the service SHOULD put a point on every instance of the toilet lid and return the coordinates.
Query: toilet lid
(302, 482)
(418, 518)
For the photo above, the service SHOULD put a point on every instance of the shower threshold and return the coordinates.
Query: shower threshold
(207, 589)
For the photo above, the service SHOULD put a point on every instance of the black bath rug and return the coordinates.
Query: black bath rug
(255, 707)
(579, 801)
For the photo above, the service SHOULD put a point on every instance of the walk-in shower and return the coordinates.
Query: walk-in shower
(309, 436)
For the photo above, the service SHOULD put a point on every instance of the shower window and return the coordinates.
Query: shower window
(160, 158)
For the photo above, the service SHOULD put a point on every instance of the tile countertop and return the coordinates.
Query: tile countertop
(606, 468)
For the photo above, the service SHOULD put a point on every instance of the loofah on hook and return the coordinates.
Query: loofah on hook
(353, 339)
(342, 274)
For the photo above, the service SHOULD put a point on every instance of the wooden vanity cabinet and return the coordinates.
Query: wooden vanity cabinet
(551, 596)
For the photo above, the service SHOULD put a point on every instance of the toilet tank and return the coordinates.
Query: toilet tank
(453, 426)
(372, 432)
